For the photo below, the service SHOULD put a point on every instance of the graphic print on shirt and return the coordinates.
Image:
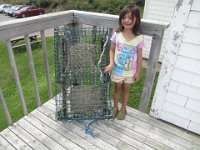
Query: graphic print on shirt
(125, 56)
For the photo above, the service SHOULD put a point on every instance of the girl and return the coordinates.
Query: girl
(125, 57)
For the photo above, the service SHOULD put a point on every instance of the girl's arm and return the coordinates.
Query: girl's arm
(139, 65)
(112, 55)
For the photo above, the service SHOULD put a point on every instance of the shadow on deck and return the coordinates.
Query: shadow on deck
(39, 130)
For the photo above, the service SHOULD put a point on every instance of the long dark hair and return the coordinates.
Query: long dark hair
(135, 12)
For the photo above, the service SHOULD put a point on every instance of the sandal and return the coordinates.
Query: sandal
(121, 115)
(114, 112)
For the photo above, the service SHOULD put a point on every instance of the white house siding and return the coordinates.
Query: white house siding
(177, 95)
(161, 10)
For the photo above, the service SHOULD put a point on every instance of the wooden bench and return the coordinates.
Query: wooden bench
(33, 39)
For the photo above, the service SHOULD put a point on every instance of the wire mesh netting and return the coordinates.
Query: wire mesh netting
(82, 89)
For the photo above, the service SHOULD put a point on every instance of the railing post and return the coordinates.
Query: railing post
(94, 32)
(33, 74)
(46, 64)
(5, 108)
(151, 71)
(16, 76)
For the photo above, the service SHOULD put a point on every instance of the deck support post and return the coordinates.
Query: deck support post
(151, 71)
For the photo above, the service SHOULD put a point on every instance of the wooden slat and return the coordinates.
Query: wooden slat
(120, 141)
(58, 138)
(13, 28)
(40, 130)
(19, 38)
(5, 145)
(162, 139)
(46, 64)
(5, 108)
(149, 27)
(62, 130)
(167, 138)
(16, 76)
(25, 136)
(130, 131)
(158, 134)
(155, 130)
(32, 69)
(123, 136)
(39, 135)
(20, 27)
(15, 140)
(21, 45)
(161, 133)
(164, 128)
(156, 137)
(76, 129)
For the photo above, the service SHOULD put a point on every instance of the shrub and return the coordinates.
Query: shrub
(140, 3)
(54, 5)
(105, 6)
(43, 3)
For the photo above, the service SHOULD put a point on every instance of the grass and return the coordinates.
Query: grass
(8, 85)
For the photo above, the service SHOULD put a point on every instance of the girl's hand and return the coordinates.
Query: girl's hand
(136, 76)
(108, 68)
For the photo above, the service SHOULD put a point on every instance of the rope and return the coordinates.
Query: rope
(87, 127)
(104, 47)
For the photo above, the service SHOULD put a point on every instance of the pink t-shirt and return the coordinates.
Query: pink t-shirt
(126, 54)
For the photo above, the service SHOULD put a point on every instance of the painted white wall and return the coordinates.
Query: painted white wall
(177, 98)
(161, 10)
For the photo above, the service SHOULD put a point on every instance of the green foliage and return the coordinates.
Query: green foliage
(43, 3)
(140, 3)
(104, 6)
(54, 5)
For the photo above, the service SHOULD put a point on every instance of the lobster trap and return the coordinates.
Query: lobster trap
(82, 89)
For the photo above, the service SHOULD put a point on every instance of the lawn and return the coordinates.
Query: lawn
(7, 82)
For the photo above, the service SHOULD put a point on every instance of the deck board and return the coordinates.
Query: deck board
(40, 130)
(39, 135)
(5, 145)
(85, 138)
(163, 126)
(13, 139)
(33, 142)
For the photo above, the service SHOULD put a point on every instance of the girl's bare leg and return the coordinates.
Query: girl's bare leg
(125, 92)
(117, 91)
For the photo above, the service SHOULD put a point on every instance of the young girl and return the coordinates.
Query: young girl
(125, 57)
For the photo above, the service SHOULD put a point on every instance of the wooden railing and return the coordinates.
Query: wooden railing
(23, 27)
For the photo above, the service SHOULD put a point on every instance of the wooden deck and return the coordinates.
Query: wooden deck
(39, 130)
